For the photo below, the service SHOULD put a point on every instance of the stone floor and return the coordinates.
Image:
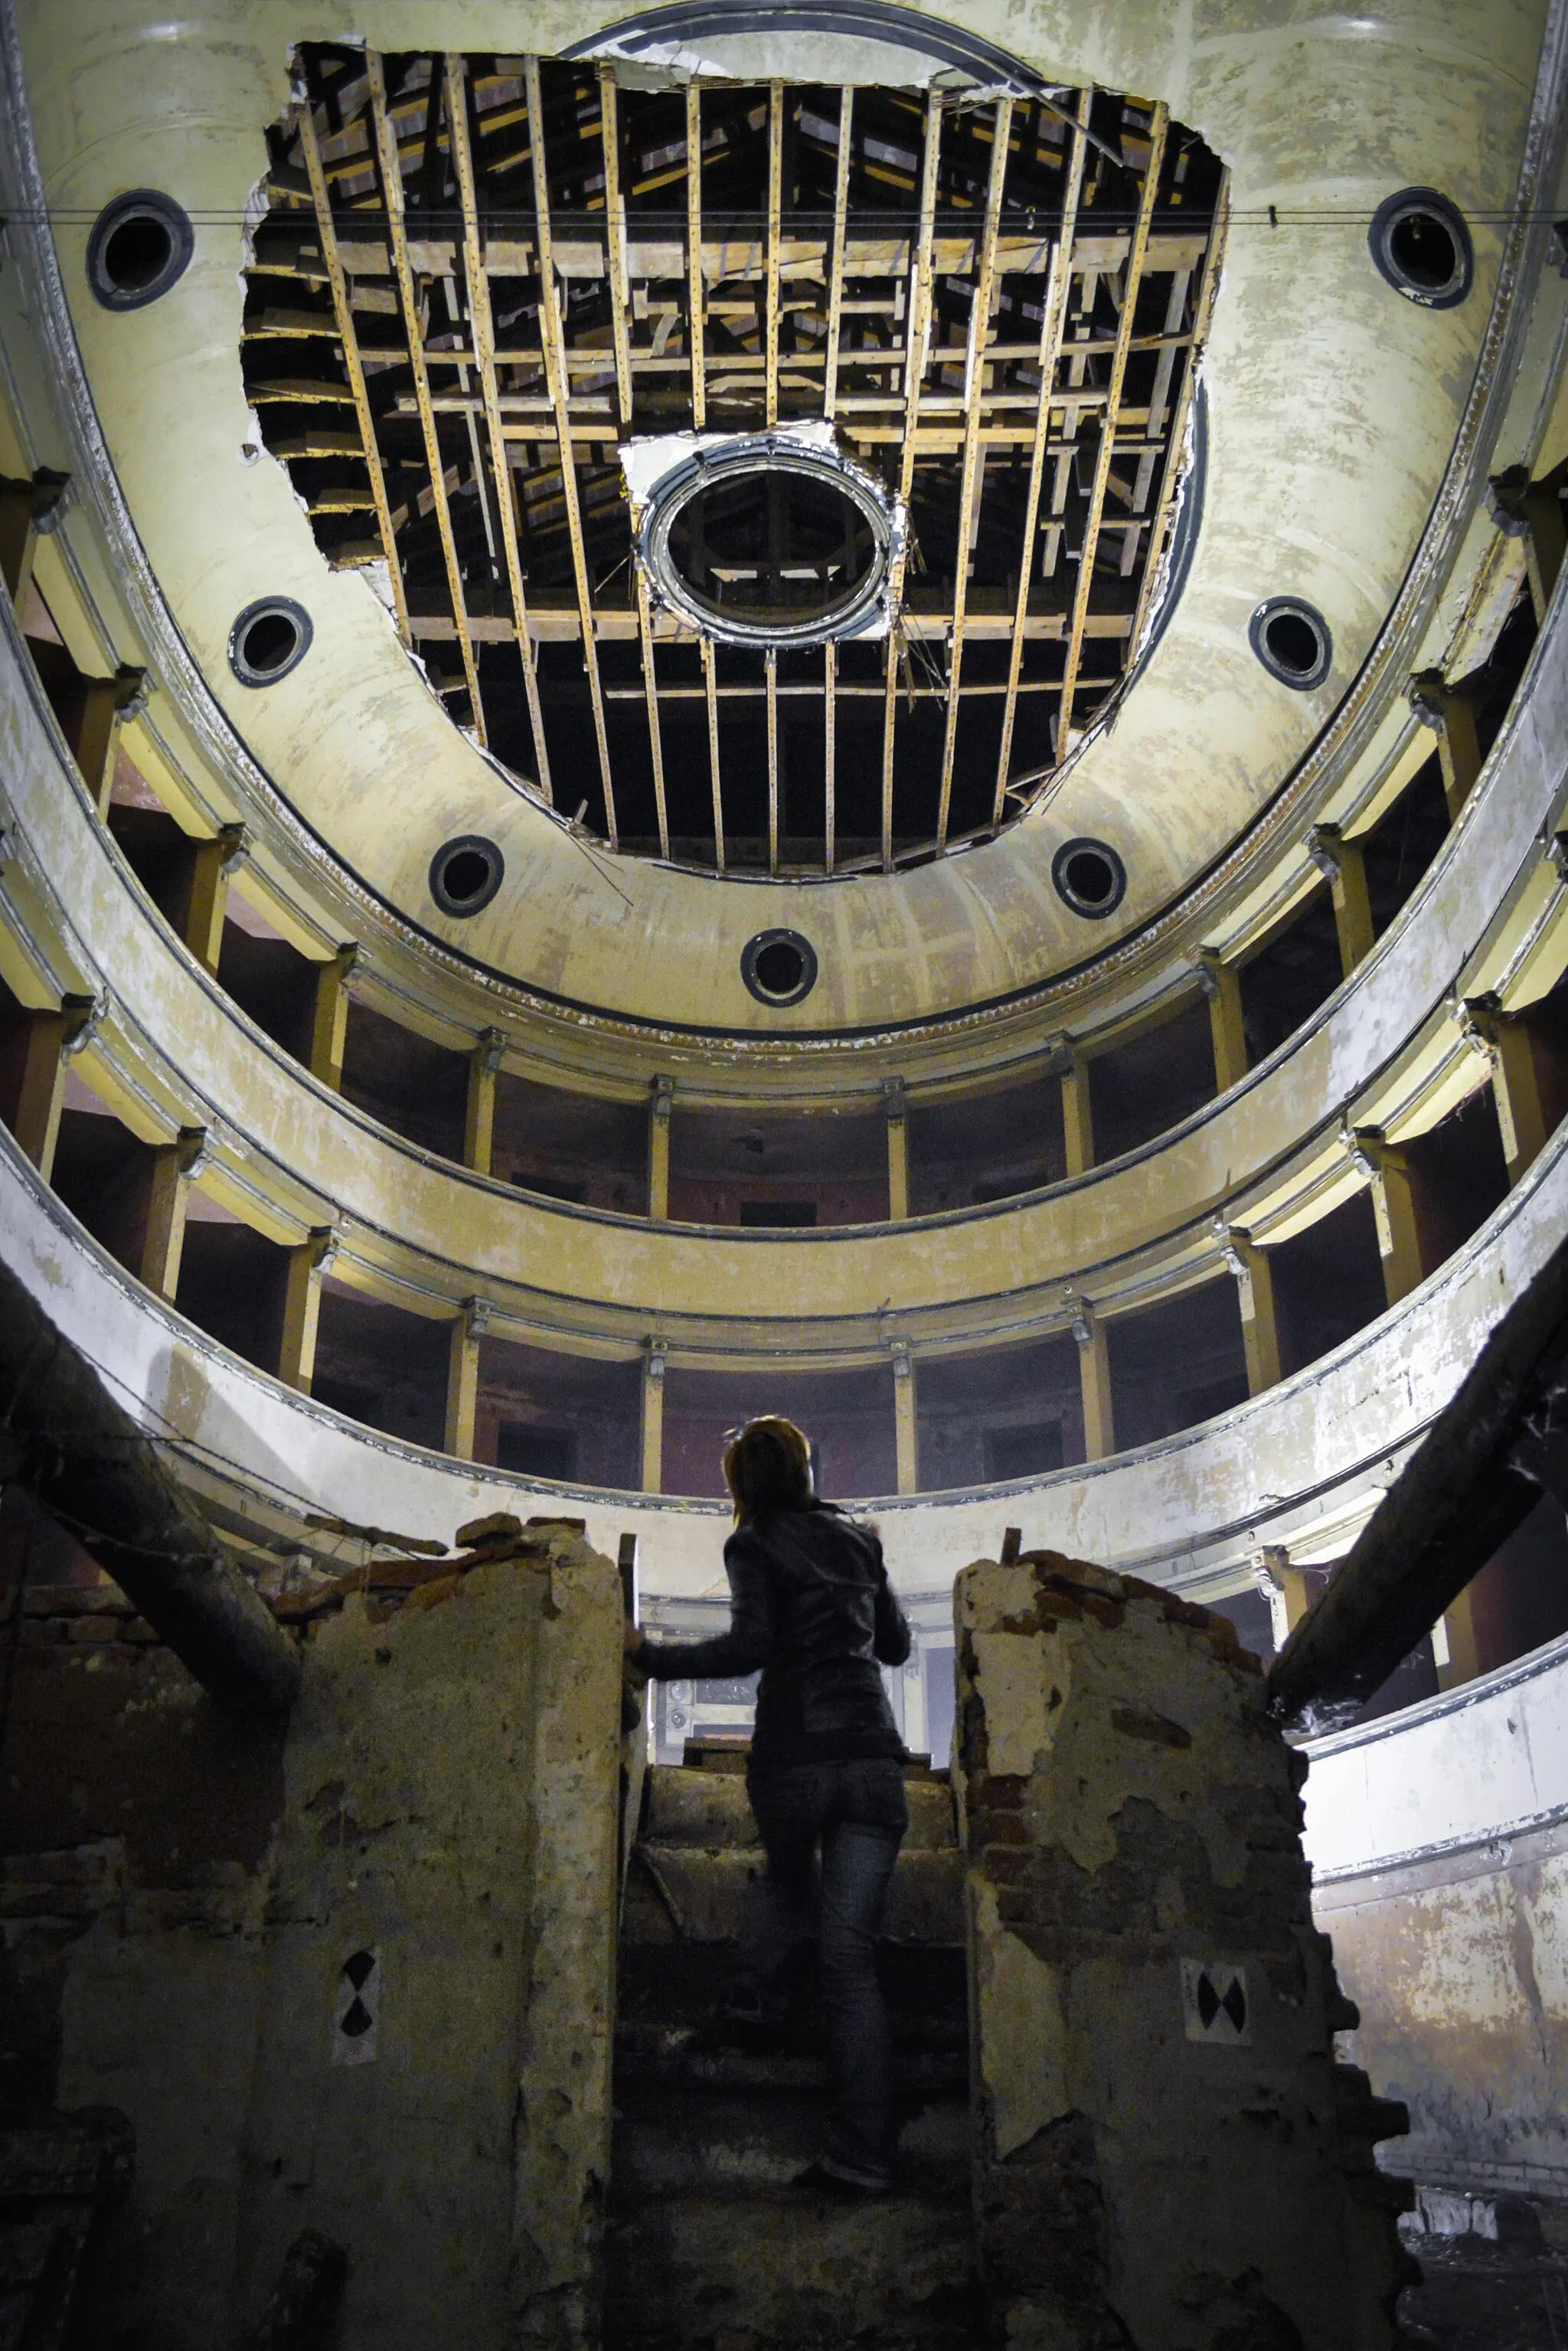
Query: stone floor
(1477, 2296)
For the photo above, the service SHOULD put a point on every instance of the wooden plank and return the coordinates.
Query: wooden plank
(775, 206)
(974, 463)
(1158, 126)
(710, 684)
(651, 695)
(392, 193)
(697, 293)
(830, 745)
(919, 326)
(836, 273)
(553, 339)
(360, 395)
(1166, 503)
(770, 667)
(615, 231)
(1053, 328)
(480, 314)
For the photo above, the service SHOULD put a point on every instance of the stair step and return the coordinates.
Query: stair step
(698, 1894)
(711, 2143)
(710, 1809)
(895, 2273)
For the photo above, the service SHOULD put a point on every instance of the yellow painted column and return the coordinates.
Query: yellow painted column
(907, 1438)
(330, 1021)
(111, 703)
(308, 1261)
(1222, 985)
(52, 1039)
(479, 1122)
(463, 1377)
(1094, 1377)
(175, 1166)
(1344, 865)
(659, 1116)
(1532, 511)
(1451, 716)
(1255, 1295)
(29, 511)
(1077, 1110)
(1387, 1171)
(208, 892)
(653, 1417)
(1506, 1046)
(898, 1149)
(1456, 1646)
(1284, 1587)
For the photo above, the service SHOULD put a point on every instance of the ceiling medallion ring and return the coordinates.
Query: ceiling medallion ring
(769, 489)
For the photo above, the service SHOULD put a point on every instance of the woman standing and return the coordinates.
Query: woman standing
(812, 1605)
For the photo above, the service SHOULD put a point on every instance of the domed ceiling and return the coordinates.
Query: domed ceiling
(1005, 489)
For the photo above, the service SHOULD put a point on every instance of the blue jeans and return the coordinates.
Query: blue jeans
(855, 1814)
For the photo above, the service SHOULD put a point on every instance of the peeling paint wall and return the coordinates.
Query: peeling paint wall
(1165, 2144)
(358, 1977)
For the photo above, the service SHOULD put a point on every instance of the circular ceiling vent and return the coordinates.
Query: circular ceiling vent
(1421, 245)
(778, 966)
(1090, 878)
(465, 873)
(770, 539)
(1292, 641)
(270, 637)
(140, 245)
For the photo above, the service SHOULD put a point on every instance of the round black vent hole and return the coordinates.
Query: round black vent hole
(271, 639)
(137, 253)
(466, 875)
(780, 968)
(1091, 877)
(1422, 249)
(1294, 643)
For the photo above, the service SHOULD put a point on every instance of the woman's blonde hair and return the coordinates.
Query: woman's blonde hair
(767, 1466)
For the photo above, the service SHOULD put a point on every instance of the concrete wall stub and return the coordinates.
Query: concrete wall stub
(373, 1993)
(1166, 2152)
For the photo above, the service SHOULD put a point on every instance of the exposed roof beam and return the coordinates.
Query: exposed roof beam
(553, 338)
(918, 328)
(1052, 325)
(974, 463)
(485, 358)
(774, 207)
(391, 192)
(1158, 124)
(615, 236)
(1155, 551)
(836, 269)
(356, 373)
(697, 299)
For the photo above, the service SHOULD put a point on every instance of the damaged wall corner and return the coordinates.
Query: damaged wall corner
(367, 1988)
(1165, 2141)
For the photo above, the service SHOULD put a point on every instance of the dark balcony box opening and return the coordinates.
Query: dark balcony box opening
(1399, 849)
(232, 1284)
(1458, 1177)
(383, 1365)
(1176, 1364)
(746, 1167)
(1000, 1413)
(405, 1081)
(1328, 1282)
(582, 1149)
(800, 1213)
(848, 1414)
(1142, 1089)
(971, 1149)
(531, 1451)
(272, 982)
(1291, 974)
(545, 1414)
(103, 1173)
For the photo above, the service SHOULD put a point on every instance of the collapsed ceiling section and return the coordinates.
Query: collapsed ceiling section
(934, 359)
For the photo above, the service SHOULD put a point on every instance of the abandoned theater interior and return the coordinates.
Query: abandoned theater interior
(816, 708)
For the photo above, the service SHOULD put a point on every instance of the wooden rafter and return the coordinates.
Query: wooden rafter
(1052, 327)
(775, 223)
(696, 295)
(918, 327)
(836, 266)
(392, 195)
(710, 684)
(353, 366)
(980, 302)
(553, 338)
(484, 333)
(1157, 129)
(615, 238)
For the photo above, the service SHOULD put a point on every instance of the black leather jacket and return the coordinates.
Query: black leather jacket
(811, 1604)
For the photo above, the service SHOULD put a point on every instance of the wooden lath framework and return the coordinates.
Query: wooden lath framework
(478, 276)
